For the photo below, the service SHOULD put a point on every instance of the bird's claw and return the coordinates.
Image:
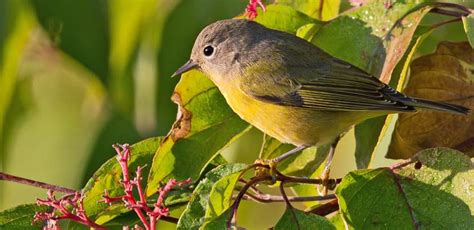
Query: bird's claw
(266, 167)
(326, 184)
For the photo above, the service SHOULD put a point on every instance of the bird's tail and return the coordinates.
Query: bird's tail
(441, 106)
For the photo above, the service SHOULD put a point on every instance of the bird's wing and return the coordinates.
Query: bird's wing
(337, 86)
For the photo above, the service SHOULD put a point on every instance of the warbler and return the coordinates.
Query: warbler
(289, 88)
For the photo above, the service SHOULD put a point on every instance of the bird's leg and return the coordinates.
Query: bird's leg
(290, 153)
(272, 163)
(323, 188)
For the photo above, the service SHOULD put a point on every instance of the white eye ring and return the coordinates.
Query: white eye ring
(208, 51)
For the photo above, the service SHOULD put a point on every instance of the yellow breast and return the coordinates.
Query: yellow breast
(298, 126)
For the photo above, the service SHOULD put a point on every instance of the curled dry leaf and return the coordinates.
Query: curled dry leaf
(182, 125)
(447, 75)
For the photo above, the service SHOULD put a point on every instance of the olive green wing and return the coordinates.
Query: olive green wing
(337, 86)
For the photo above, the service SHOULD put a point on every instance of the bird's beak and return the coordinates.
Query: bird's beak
(185, 68)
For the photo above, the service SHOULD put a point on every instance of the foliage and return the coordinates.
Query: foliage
(413, 196)
(381, 37)
(442, 76)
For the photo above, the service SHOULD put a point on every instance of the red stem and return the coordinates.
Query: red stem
(123, 157)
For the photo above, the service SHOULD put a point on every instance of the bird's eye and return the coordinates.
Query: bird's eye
(208, 51)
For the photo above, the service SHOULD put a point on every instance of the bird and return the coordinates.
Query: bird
(291, 89)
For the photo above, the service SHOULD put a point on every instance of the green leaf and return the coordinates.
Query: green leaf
(307, 31)
(272, 148)
(205, 125)
(338, 221)
(71, 225)
(21, 217)
(365, 41)
(370, 133)
(284, 18)
(411, 198)
(371, 199)
(308, 167)
(308, 163)
(126, 219)
(296, 219)
(304, 163)
(312, 170)
(108, 178)
(367, 136)
(220, 197)
(220, 222)
(211, 197)
(322, 10)
(468, 23)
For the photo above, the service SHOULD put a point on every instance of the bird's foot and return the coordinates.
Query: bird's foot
(326, 184)
(266, 167)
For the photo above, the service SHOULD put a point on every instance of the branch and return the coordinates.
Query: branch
(291, 179)
(38, 184)
(465, 145)
(402, 164)
(326, 208)
(288, 204)
(267, 198)
(235, 206)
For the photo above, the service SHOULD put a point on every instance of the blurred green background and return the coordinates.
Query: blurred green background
(78, 76)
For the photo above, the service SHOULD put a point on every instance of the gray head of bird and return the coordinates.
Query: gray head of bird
(223, 48)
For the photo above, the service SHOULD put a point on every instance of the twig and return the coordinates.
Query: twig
(326, 208)
(465, 10)
(447, 12)
(267, 198)
(235, 206)
(462, 10)
(465, 145)
(253, 188)
(288, 204)
(38, 184)
(434, 26)
(290, 179)
(436, 7)
(402, 164)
